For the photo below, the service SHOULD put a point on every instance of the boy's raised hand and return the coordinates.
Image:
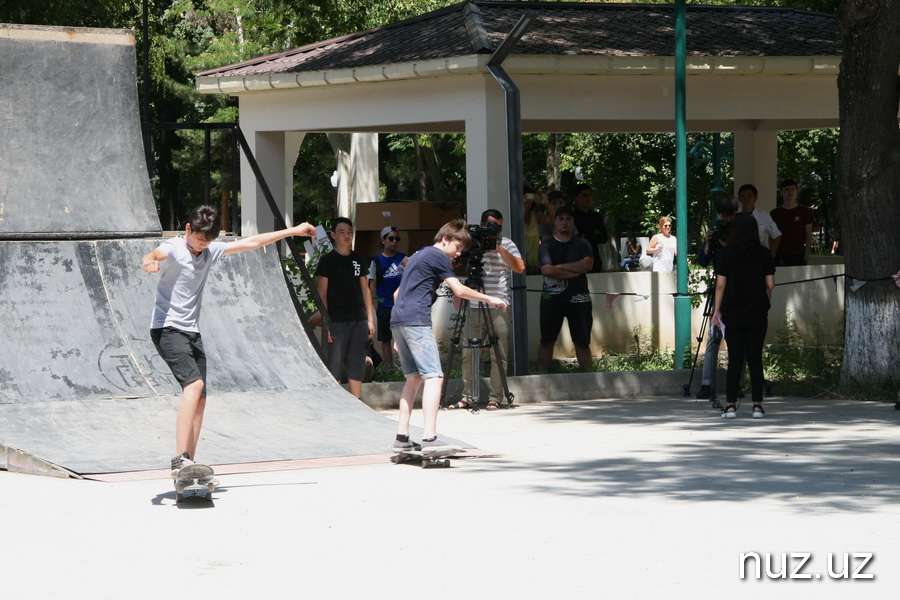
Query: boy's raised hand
(304, 229)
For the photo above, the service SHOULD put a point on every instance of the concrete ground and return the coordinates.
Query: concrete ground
(612, 498)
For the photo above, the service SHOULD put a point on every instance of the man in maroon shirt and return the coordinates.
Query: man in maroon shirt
(795, 223)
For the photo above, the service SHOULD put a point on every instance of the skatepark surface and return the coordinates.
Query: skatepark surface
(612, 498)
(639, 497)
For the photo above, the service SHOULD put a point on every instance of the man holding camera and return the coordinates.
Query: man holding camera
(497, 265)
(716, 237)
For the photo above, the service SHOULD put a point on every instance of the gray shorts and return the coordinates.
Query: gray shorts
(347, 351)
(183, 352)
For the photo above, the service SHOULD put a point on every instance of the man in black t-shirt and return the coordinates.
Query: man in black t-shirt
(564, 260)
(589, 223)
(345, 292)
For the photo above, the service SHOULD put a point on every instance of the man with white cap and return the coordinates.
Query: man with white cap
(384, 279)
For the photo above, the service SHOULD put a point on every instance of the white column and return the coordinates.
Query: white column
(364, 170)
(756, 162)
(269, 150)
(486, 164)
(292, 142)
(342, 145)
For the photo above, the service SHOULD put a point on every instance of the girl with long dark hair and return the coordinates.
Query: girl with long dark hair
(745, 277)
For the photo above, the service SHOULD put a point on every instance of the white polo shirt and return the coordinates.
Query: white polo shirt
(768, 230)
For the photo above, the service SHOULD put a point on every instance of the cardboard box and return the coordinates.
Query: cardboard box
(405, 216)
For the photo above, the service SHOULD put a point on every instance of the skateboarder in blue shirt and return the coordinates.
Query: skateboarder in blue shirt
(184, 263)
(414, 335)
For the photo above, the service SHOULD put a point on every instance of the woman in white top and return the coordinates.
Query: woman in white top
(663, 246)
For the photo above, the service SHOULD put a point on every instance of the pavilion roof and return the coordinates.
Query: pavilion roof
(563, 29)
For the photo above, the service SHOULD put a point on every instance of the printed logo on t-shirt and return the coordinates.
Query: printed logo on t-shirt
(357, 269)
(555, 286)
(393, 271)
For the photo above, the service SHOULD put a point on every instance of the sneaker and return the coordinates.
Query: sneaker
(729, 413)
(405, 446)
(758, 412)
(437, 445)
(705, 393)
(179, 462)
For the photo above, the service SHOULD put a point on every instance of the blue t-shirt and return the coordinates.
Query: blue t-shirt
(391, 269)
(424, 273)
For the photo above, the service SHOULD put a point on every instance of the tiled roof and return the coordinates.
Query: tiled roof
(562, 29)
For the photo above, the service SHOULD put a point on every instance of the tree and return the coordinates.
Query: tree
(868, 160)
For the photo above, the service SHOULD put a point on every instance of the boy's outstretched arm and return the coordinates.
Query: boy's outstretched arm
(467, 293)
(150, 261)
(263, 239)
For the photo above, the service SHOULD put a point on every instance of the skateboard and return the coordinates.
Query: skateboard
(438, 458)
(195, 481)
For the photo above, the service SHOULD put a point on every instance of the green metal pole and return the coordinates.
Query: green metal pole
(717, 174)
(682, 300)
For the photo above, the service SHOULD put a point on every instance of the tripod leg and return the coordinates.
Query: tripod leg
(473, 345)
(461, 317)
(498, 348)
(707, 313)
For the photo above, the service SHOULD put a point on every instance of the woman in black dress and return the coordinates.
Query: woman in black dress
(745, 277)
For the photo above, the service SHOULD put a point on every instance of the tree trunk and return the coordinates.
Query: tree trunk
(553, 179)
(420, 168)
(868, 194)
(434, 171)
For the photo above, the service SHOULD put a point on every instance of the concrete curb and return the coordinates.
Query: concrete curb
(562, 386)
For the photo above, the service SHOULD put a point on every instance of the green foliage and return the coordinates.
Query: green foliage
(794, 364)
(642, 355)
(121, 14)
(633, 176)
(424, 166)
(313, 193)
(307, 301)
(701, 284)
(383, 374)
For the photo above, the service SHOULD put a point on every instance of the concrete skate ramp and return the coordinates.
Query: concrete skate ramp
(71, 154)
(82, 387)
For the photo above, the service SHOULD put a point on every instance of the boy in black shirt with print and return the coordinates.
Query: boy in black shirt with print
(345, 292)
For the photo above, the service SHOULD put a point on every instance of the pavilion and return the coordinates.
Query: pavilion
(581, 67)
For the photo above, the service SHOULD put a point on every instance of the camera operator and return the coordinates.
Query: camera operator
(716, 237)
(499, 257)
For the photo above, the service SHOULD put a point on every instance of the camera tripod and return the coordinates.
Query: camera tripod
(707, 317)
(473, 342)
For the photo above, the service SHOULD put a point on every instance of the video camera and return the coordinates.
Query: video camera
(483, 237)
(721, 231)
(483, 240)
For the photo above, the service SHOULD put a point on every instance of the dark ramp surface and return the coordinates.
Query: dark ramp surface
(82, 387)
(71, 155)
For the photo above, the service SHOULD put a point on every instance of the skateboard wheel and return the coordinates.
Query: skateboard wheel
(208, 497)
(178, 498)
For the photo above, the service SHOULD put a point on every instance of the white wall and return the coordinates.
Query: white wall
(613, 328)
